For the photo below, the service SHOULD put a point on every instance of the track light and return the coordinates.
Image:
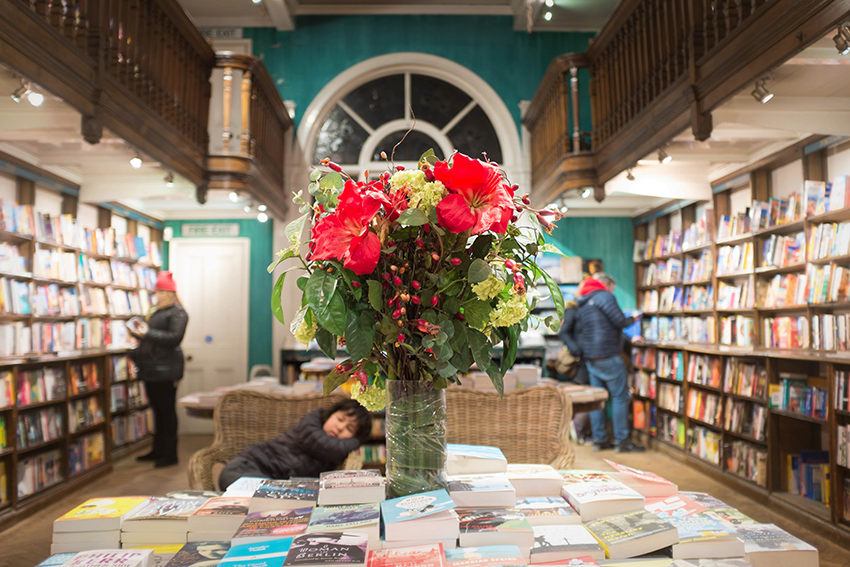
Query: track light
(547, 16)
(261, 208)
(760, 93)
(842, 39)
(550, 3)
(25, 90)
(20, 92)
(36, 99)
(256, 1)
(629, 175)
(586, 192)
(247, 208)
(664, 157)
(169, 179)
(262, 217)
(136, 161)
(233, 196)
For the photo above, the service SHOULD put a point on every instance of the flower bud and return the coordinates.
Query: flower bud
(510, 264)
(427, 228)
(393, 268)
(355, 284)
(435, 256)
(416, 285)
(400, 337)
(334, 166)
(399, 168)
(435, 300)
(429, 174)
(455, 261)
(403, 311)
(420, 243)
(383, 155)
(519, 282)
(460, 316)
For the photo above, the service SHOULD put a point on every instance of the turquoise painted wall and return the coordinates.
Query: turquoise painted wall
(610, 239)
(513, 62)
(259, 282)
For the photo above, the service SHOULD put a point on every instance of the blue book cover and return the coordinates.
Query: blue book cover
(270, 553)
(57, 559)
(416, 506)
(697, 527)
(477, 451)
(486, 555)
(346, 517)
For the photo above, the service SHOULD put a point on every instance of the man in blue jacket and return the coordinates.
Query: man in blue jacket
(602, 323)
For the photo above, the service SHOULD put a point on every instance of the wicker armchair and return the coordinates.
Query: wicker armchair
(243, 418)
(530, 425)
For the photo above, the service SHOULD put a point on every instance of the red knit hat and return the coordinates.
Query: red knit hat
(165, 282)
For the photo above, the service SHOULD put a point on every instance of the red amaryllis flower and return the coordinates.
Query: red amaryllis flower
(478, 197)
(345, 235)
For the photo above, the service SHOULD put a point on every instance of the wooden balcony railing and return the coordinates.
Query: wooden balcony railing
(660, 66)
(248, 126)
(137, 67)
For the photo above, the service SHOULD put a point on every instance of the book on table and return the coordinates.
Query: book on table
(474, 459)
(285, 494)
(674, 506)
(485, 556)
(328, 549)
(162, 553)
(705, 499)
(271, 524)
(547, 510)
(426, 555)
(351, 487)
(492, 490)
(352, 518)
(648, 483)
(98, 514)
(244, 486)
(724, 562)
(418, 516)
(136, 539)
(494, 526)
(596, 499)
(59, 559)
(162, 514)
(767, 545)
(270, 553)
(701, 537)
(84, 541)
(633, 533)
(204, 553)
(562, 543)
(729, 516)
(450, 543)
(112, 558)
(534, 480)
(190, 493)
(220, 514)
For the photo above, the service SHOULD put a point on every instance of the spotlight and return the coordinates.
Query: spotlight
(547, 16)
(36, 99)
(136, 161)
(586, 192)
(247, 208)
(233, 196)
(664, 157)
(564, 208)
(261, 208)
(20, 92)
(842, 39)
(169, 179)
(629, 175)
(256, 1)
(760, 93)
(262, 217)
(550, 3)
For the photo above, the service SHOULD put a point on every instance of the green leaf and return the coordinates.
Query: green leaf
(428, 157)
(510, 348)
(282, 255)
(412, 217)
(327, 305)
(440, 382)
(532, 249)
(482, 353)
(315, 175)
(451, 305)
(293, 230)
(277, 308)
(374, 294)
(302, 282)
(479, 271)
(481, 246)
(335, 379)
(460, 360)
(332, 180)
(458, 339)
(557, 296)
(477, 313)
(359, 333)
(327, 342)
(298, 319)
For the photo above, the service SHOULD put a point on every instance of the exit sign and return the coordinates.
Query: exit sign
(211, 229)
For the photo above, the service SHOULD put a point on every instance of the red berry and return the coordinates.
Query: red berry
(429, 174)
(355, 284)
(510, 264)
(399, 168)
(435, 300)
(400, 337)
(397, 280)
(455, 261)
(385, 285)
(396, 313)
(416, 285)
(460, 316)
(435, 256)
(393, 268)
(387, 276)
(415, 300)
(427, 228)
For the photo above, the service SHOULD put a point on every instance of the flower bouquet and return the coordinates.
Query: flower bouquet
(417, 274)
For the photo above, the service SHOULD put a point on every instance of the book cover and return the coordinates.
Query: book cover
(553, 543)
(485, 556)
(162, 514)
(200, 554)
(597, 499)
(220, 514)
(270, 553)
(705, 499)
(270, 524)
(534, 480)
(112, 558)
(722, 562)
(647, 483)
(766, 545)
(343, 518)
(415, 506)
(492, 520)
(729, 516)
(244, 486)
(351, 487)
(299, 492)
(674, 506)
(696, 528)
(162, 553)
(471, 459)
(474, 490)
(98, 514)
(633, 533)
(328, 548)
(428, 555)
(57, 559)
(540, 510)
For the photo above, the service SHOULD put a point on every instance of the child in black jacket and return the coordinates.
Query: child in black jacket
(319, 442)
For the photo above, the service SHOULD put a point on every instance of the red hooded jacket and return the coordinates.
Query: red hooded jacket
(589, 285)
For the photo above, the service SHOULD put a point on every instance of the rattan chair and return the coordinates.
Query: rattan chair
(245, 417)
(531, 425)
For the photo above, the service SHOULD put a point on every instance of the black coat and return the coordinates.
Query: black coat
(158, 355)
(602, 323)
(304, 450)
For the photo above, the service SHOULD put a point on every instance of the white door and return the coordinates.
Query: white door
(212, 282)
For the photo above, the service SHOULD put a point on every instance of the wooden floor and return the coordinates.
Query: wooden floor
(28, 542)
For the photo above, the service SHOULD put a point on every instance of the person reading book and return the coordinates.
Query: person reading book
(318, 443)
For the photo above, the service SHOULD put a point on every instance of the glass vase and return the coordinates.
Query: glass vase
(415, 437)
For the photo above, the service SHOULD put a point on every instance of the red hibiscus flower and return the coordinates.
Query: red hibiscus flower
(478, 197)
(345, 235)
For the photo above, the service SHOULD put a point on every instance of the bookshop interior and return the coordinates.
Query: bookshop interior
(695, 150)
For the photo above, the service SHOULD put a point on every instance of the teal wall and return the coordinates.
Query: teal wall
(513, 62)
(611, 239)
(259, 282)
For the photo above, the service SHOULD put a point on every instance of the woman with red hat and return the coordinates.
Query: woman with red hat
(160, 363)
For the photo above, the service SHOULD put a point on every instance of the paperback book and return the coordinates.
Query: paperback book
(493, 527)
(112, 558)
(481, 490)
(285, 494)
(595, 499)
(328, 549)
(351, 487)
(562, 543)
(98, 514)
(729, 517)
(705, 499)
(674, 506)
(352, 518)
(162, 553)
(270, 553)
(200, 553)
(701, 537)
(534, 480)
(485, 556)
(244, 486)
(632, 534)
(474, 459)
(427, 514)
(547, 510)
(648, 483)
(767, 545)
(221, 514)
(162, 515)
(271, 524)
(427, 555)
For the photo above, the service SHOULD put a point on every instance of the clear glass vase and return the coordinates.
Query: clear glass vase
(415, 437)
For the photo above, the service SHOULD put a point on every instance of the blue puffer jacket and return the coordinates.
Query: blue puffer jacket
(602, 323)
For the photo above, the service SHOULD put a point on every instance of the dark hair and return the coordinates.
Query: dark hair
(355, 410)
(594, 266)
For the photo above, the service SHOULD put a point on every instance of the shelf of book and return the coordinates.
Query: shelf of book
(811, 507)
(800, 416)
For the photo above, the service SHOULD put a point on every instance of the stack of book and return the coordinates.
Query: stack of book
(159, 521)
(94, 524)
(218, 519)
(421, 518)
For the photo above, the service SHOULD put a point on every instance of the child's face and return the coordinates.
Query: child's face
(340, 425)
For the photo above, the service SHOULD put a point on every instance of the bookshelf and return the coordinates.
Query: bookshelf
(749, 378)
(69, 400)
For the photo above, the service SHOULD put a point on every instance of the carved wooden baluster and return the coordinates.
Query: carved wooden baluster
(575, 104)
(720, 30)
(642, 69)
(731, 16)
(662, 23)
(245, 138)
(707, 28)
(41, 8)
(656, 57)
(143, 51)
(633, 85)
(744, 8)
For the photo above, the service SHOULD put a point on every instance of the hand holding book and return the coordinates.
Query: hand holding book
(137, 326)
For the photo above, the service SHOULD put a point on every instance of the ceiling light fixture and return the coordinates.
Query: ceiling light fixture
(262, 217)
(586, 192)
(169, 179)
(261, 208)
(629, 175)
(247, 208)
(256, 1)
(36, 99)
(547, 16)
(760, 93)
(233, 196)
(20, 92)
(550, 3)
(136, 161)
(664, 157)
(842, 39)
